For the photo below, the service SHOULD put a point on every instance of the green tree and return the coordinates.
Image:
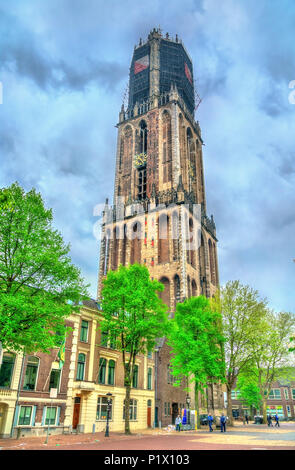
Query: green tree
(196, 342)
(38, 284)
(242, 313)
(134, 315)
(248, 386)
(272, 357)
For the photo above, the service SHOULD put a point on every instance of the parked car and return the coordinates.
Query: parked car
(258, 419)
(204, 420)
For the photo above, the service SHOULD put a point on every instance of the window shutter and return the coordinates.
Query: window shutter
(34, 415)
(16, 415)
(44, 416)
(57, 415)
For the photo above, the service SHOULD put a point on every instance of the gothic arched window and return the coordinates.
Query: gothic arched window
(167, 147)
(143, 137)
(163, 239)
(165, 294)
(136, 243)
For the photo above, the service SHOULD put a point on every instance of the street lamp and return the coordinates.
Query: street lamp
(188, 401)
(109, 401)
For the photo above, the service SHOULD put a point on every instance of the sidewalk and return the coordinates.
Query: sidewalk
(33, 442)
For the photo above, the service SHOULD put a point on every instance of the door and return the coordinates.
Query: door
(76, 413)
(149, 414)
(156, 417)
(174, 412)
(3, 412)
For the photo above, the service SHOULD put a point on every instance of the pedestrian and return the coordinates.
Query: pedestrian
(247, 418)
(223, 423)
(210, 422)
(178, 423)
(269, 421)
(277, 420)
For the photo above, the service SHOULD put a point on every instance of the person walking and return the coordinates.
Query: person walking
(247, 418)
(269, 421)
(223, 423)
(210, 422)
(178, 423)
(277, 420)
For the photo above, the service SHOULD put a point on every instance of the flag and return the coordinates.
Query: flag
(188, 73)
(141, 64)
(61, 353)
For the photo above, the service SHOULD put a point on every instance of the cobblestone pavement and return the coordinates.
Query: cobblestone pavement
(240, 437)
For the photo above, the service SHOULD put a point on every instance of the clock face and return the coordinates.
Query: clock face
(140, 160)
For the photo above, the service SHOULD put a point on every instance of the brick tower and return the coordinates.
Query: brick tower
(159, 213)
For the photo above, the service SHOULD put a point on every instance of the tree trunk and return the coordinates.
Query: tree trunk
(264, 405)
(212, 396)
(127, 407)
(197, 424)
(229, 406)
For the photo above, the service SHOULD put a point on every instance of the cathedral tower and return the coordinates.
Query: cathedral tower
(159, 213)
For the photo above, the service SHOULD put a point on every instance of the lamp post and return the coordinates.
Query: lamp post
(188, 401)
(109, 401)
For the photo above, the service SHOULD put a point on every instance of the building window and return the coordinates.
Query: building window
(111, 375)
(51, 413)
(31, 373)
(135, 377)
(275, 394)
(150, 354)
(84, 331)
(25, 416)
(102, 370)
(286, 393)
(102, 405)
(141, 184)
(293, 393)
(54, 379)
(81, 366)
(132, 410)
(113, 341)
(235, 394)
(149, 379)
(170, 377)
(143, 137)
(6, 370)
(104, 339)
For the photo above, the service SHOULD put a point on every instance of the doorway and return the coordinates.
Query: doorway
(174, 412)
(149, 413)
(76, 414)
(3, 413)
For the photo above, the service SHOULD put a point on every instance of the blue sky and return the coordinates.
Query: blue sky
(64, 67)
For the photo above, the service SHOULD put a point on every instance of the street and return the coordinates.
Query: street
(240, 437)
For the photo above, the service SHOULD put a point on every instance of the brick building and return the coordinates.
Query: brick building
(159, 213)
(25, 384)
(281, 401)
(92, 368)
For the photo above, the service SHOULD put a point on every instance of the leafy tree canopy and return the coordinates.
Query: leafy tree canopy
(132, 310)
(196, 341)
(39, 286)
